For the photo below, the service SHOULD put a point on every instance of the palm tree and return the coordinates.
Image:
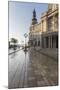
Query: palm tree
(14, 41)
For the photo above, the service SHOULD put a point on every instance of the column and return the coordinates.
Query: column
(54, 23)
(51, 42)
(49, 39)
(44, 42)
(36, 41)
(41, 42)
(46, 23)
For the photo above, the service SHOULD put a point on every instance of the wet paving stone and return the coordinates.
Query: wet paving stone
(31, 78)
(39, 78)
(32, 70)
(41, 83)
(32, 83)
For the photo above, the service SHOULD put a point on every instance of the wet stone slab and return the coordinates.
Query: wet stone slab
(32, 70)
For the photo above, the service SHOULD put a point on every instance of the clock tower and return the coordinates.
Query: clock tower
(34, 20)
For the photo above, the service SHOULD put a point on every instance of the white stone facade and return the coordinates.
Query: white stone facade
(45, 33)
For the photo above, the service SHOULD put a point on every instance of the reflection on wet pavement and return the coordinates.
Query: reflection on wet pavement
(32, 69)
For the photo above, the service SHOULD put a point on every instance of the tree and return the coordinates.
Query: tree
(14, 41)
(9, 44)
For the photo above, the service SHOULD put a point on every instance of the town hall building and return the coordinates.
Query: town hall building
(44, 34)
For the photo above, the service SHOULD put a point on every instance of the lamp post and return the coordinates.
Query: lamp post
(25, 35)
(34, 42)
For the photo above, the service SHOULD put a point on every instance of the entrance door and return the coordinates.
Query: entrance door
(55, 41)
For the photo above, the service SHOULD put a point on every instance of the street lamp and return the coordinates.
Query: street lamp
(25, 35)
(34, 42)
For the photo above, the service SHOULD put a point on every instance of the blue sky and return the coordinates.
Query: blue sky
(20, 17)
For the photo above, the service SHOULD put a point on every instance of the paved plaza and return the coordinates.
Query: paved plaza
(32, 69)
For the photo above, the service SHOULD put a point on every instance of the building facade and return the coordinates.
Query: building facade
(45, 33)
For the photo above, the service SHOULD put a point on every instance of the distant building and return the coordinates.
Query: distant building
(45, 33)
(34, 34)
